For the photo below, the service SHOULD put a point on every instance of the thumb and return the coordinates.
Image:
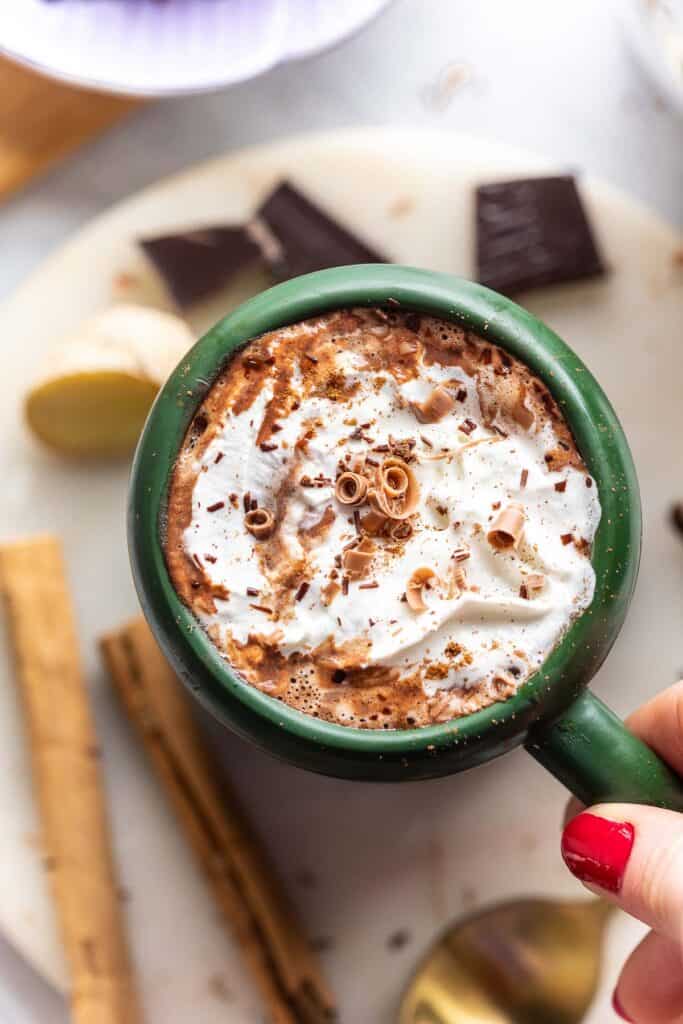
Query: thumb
(633, 856)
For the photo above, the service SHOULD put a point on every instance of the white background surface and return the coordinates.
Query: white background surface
(553, 78)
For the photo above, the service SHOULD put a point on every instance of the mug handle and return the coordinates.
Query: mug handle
(592, 752)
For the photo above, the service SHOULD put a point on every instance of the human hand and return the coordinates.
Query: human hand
(633, 856)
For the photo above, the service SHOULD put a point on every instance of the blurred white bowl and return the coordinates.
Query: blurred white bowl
(167, 47)
(655, 31)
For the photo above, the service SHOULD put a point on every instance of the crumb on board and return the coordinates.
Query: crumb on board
(398, 939)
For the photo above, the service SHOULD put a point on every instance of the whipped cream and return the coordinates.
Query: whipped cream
(466, 640)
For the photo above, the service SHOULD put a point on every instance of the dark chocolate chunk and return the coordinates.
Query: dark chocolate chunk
(677, 516)
(533, 232)
(305, 238)
(196, 263)
(398, 939)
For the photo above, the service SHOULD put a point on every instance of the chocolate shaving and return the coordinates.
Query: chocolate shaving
(261, 608)
(246, 501)
(216, 506)
(267, 446)
(356, 560)
(533, 585)
(524, 476)
(561, 486)
(567, 538)
(459, 577)
(302, 590)
(460, 554)
(401, 530)
(467, 426)
(437, 405)
(218, 458)
(368, 586)
(252, 592)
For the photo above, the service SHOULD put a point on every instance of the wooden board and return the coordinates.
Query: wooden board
(360, 861)
(42, 121)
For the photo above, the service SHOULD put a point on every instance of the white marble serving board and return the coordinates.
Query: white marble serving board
(360, 861)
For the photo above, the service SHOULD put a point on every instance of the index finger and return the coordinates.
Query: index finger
(659, 723)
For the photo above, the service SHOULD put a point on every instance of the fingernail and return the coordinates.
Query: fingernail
(597, 850)
(619, 1009)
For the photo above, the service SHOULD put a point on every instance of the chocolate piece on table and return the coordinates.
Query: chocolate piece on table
(533, 232)
(677, 516)
(305, 238)
(193, 264)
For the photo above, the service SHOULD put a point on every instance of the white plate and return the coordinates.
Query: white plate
(148, 48)
(385, 857)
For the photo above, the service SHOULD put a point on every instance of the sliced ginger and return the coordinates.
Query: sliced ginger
(98, 386)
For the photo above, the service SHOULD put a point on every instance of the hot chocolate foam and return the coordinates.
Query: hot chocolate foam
(337, 608)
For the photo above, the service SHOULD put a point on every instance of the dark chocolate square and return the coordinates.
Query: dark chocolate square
(307, 238)
(193, 264)
(533, 232)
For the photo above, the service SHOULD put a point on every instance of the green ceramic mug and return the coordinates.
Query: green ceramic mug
(561, 724)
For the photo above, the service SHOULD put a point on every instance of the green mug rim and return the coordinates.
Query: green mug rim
(598, 433)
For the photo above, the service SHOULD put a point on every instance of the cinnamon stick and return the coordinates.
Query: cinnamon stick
(244, 885)
(66, 773)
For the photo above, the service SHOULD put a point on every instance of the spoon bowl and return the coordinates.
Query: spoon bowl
(531, 961)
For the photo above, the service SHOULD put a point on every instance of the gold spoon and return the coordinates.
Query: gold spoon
(528, 961)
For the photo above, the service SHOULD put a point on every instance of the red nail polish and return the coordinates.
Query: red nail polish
(597, 850)
(619, 1009)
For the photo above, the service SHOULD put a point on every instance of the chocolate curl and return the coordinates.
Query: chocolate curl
(437, 405)
(417, 582)
(356, 560)
(260, 523)
(507, 528)
(351, 488)
(397, 492)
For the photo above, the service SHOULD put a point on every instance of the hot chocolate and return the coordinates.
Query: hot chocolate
(381, 519)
